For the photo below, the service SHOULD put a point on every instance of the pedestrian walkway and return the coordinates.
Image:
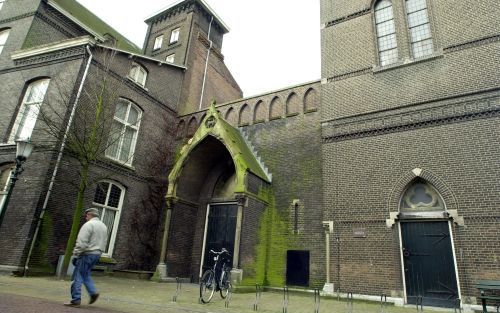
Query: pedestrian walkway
(134, 296)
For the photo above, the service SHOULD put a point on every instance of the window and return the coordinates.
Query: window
(5, 172)
(138, 74)
(170, 58)
(121, 144)
(386, 33)
(158, 42)
(421, 196)
(108, 199)
(4, 34)
(419, 26)
(174, 36)
(28, 113)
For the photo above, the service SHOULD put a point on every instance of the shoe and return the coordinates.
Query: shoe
(74, 304)
(93, 298)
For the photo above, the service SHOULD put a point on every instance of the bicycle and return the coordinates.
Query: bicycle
(218, 278)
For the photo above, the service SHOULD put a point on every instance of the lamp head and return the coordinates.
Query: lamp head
(24, 149)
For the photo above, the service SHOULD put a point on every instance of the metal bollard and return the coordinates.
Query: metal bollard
(458, 305)
(316, 300)
(177, 290)
(228, 298)
(286, 298)
(199, 283)
(350, 302)
(420, 304)
(258, 293)
(383, 303)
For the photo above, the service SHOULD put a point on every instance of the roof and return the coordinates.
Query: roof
(91, 23)
(200, 2)
(244, 158)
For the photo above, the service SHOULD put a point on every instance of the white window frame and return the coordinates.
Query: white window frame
(158, 42)
(5, 172)
(170, 58)
(105, 207)
(124, 124)
(174, 35)
(413, 32)
(28, 112)
(4, 35)
(378, 30)
(135, 72)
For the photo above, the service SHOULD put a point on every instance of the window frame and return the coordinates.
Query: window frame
(124, 124)
(174, 35)
(172, 56)
(158, 43)
(105, 207)
(409, 31)
(34, 109)
(134, 75)
(395, 59)
(5, 172)
(7, 32)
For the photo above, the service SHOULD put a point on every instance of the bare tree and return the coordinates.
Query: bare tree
(85, 131)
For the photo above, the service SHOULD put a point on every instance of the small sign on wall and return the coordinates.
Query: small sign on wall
(359, 232)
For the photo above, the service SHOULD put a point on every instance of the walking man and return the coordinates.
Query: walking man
(90, 243)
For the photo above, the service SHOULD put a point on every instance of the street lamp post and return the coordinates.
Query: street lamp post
(23, 151)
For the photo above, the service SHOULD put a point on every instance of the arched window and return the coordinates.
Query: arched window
(293, 106)
(138, 74)
(123, 137)
(192, 126)
(4, 34)
(419, 28)
(245, 115)
(311, 100)
(420, 196)
(386, 33)
(231, 116)
(275, 109)
(108, 198)
(181, 130)
(5, 172)
(260, 112)
(29, 110)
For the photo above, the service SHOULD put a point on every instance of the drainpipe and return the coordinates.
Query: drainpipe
(206, 63)
(58, 161)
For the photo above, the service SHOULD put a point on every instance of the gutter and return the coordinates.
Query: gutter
(59, 157)
(206, 63)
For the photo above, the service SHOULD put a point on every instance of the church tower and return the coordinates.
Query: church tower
(188, 33)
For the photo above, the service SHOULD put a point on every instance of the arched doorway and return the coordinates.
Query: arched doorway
(429, 267)
(208, 188)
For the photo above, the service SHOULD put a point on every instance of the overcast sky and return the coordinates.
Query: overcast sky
(272, 44)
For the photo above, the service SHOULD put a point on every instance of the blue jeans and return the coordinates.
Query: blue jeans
(81, 275)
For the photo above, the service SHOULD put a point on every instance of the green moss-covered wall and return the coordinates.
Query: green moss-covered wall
(39, 262)
(274, 239)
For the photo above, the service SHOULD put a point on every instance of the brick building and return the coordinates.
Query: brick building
(380, 178)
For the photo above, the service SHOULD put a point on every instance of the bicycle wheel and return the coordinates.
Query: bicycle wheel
(207, 286)
(225, 285)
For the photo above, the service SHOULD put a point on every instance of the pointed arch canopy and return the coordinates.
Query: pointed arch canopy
(243, 158)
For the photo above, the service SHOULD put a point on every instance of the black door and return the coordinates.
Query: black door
(221, 230)
(428, 264)
(297, 268)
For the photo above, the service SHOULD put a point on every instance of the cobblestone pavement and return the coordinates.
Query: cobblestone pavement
(119, 295)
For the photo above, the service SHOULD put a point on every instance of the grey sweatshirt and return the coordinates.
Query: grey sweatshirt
(92, 238)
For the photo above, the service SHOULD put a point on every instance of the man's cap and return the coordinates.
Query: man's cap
(92, 211)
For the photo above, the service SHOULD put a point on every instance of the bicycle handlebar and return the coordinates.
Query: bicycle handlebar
(219, 253)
